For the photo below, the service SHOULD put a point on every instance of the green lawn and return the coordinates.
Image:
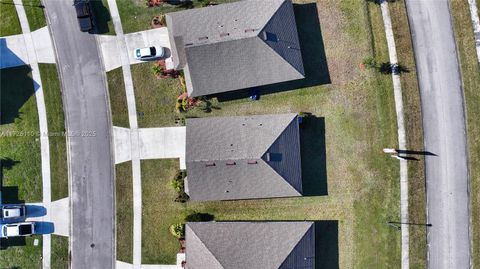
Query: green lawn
(159, 212)
(60, 256)
(21, 253)
(35, 15)
(414, 130)
(19, 144)
(118, 98)
(124, 205)
(56, 128)
(471, 83)
(355, 119)
(136, 16)
(10, 24)
(155, 98)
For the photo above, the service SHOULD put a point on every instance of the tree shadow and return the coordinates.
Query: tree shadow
(101, 15)
(313, 156)
(389, 68)
(313, 55)
(17, 87)
(326, 244)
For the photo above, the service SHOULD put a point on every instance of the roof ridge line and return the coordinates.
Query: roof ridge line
(280, 134)
(303, 236)
(283, 179)
(265, 43)
(203, 244)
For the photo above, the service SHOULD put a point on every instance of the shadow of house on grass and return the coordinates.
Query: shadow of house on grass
(326, 244)
(102, 17)
(313, 156)
(313, 56)
(17, 87)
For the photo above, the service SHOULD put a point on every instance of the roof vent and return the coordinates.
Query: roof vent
(188, 44)
(230, 163)
(224, 34)
(203, 38)
(210, 164)
(249, 30)
(252, 162)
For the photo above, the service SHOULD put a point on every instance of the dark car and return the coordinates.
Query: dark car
(84, 15)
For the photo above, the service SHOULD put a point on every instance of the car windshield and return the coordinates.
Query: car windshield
(137, 52)
(153, 52)
(25, 229)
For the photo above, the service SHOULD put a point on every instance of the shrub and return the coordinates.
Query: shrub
(178, 184)
(370, 62)
(177, 230)
(197, 217)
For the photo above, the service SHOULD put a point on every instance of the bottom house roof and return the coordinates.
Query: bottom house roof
(238, 245)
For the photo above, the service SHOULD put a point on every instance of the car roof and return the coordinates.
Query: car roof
(12, 212)
(145, 51)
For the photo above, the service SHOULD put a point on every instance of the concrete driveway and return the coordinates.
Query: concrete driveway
(110, 49)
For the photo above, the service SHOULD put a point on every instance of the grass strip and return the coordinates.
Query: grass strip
(124, 208)
(35, 15)
(118, 98)
(59, 249)
(414, 131)
(56, 129)
(470, 72)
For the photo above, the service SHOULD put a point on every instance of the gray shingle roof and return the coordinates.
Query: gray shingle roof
(243, 157)
(235, 46)
(242, 245)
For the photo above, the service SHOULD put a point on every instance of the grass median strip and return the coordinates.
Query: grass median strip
(56, 129)
(118, 98)
(124, 209)
(59, 248)
(414, 131)
(35, 15)
(470, 72)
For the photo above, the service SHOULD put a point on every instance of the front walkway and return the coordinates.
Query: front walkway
(42, 122)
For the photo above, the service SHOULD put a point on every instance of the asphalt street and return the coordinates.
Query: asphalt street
(444, 134)
(92, 230)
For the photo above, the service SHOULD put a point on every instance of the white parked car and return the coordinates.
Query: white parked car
(17, 229)
(12, 213)
(149, 53)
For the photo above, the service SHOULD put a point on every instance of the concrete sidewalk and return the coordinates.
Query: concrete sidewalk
(13, 49)
(402, 140)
